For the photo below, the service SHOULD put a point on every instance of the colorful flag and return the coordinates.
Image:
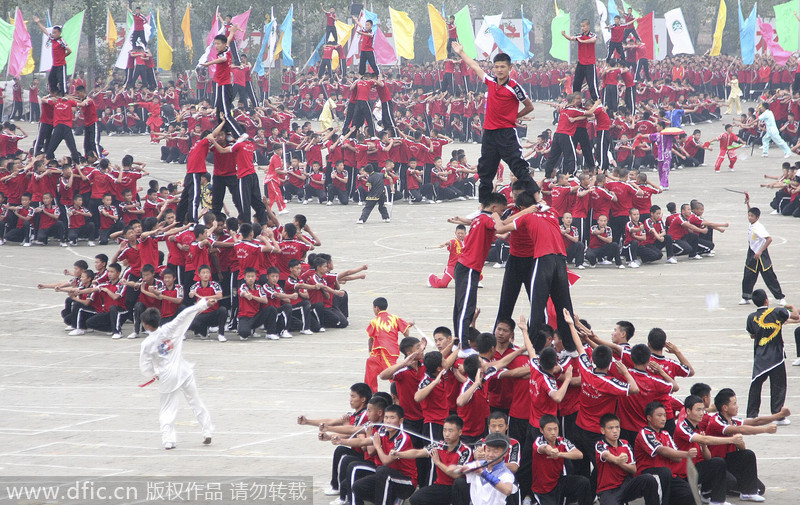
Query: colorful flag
(603, 13)
(527, 26)
(215, 28)
(633, 11)
(371, 16)
(6, 36)
(316, 54)
(747, 35)
(466, 35)
(111, 31)
(286, 38)
(241, 21)
(678, 32)
(722, 15)
(786, 24)
(273, 39)
(559, 48)
(164, 49)
(403, 32)
(644, 28)
(439, 32)
(122, 59)
(384, 52)
(20, 46)
(269, 30)
(71, 33)
(779, 54)
(612, 10)
(186, 27)
(506, 45)
(46, 55)
(484, 42)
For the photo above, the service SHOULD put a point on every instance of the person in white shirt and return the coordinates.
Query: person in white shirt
(490, 484)
(758, 260)
(161, 358)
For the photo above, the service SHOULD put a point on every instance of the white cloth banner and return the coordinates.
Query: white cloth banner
(678, 32)
(660, 36)
(484, 42)
(603, 12)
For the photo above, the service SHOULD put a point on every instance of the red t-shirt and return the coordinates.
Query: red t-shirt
(610, 475)
(586, 51)
(599, 394)
(196, 161)
(59, 51)
(366, 40)
(630, 409)
(479, 239)
(244, 153)
(407, 382)
(62, 111)
(222, 71)
(647, 442)
(547, 471)
(435, 407)
(502, 104)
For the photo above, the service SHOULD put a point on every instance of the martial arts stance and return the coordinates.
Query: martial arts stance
(771, 132)
(161, 358)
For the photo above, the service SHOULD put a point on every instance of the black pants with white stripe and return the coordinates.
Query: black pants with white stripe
(110, 321)
(223, 96)
(62, 132)
(362, 113)
(383, 487)
(585, 73)
(42, 138)
(643, 486)
(189, 204)
(91, 140)
(301, 318)
(57, 78)
(438, 494)
(368, 57)
(517, 274)
(549, 280)
(466, 300)
(601, 148)
(777, 391)
(250, 198)
(338, 457)
(355, 467)
(219, 183)
(496, 145)
(562, 145)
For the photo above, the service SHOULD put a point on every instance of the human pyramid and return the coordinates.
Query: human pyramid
(451, 426)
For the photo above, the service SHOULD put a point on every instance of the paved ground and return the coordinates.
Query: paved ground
(71, 406)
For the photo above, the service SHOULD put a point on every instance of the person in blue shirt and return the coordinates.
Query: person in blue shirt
(771, 132)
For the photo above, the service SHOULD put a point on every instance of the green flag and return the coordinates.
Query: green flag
(6, 34)
(71, 33)
(786, 25)
(633, 11)
(465, 34)
(559, 49)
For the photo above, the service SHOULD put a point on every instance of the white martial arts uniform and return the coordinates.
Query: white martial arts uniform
(161, 356)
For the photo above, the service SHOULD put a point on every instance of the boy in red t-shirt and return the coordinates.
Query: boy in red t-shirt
(384, 348)
(454, 247)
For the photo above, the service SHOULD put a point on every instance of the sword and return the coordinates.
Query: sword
(149, 382)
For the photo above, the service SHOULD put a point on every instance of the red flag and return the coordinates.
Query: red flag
(644, 27)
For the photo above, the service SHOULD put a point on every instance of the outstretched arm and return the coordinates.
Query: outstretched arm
(459, 50)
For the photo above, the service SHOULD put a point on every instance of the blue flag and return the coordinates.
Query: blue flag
(286, 41)
(506, 45)
(612, 11)
(259, 66)
(431, 47)
(747, 35)
(372, 17)
(527, 26)
(316, 56)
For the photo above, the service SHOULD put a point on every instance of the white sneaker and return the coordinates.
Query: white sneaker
(116, 336)
(672, 260)
(796, 362)
(272, 336)
(169, 445)
(719, 502)
(744, 301)
(64, 244)
(480, 284)
(26, 244)
(765, 155)
(787, 155)
(90, 243)
(360, 204)
(527, 501)
(633, 264)
(782, 302)
(331, 492)
(498, 265)
(69, 328)
(338, 501)
(752, 497)
(284, 211)
(322, 330)
(783, 422)
(711, 254)
(604, 262)
(387, 220)
(359, 222)
(214, 329)
(133, 335)
(309, 332)
(581, 267)
(305, 202)
(329, 204)
(695, 257)
(285, 334)
(621, 267)
(222, 338)
(774, 213)
(76, 332)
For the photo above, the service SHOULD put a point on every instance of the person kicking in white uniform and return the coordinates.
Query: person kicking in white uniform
(161, 358)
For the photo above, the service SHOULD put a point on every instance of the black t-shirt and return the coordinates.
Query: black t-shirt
(765, 325)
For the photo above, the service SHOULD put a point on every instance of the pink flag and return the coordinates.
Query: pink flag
(20, 46)
(384, 52)
(214, 29)
(241, 22)
(780, 55)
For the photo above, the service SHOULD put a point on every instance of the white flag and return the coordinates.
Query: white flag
(678, 32)
(484, 41)
(603, 12)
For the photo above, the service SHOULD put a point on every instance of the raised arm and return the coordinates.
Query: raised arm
(459, 50)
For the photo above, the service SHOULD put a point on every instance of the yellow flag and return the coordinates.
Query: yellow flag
(722, 15)
(164, 50)
(343, 31)
(278, 47)
(439, 31)
(186, 26)
(30, 65)
(555, 3)
(111, 31)
(403, 32)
